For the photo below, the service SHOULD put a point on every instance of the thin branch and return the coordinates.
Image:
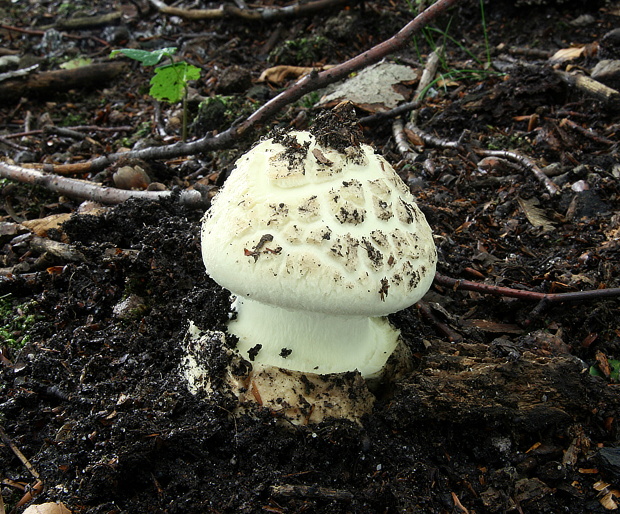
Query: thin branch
(524, 161)
(432, 140)
(85, 190)
(7, 441)
(403, 146)
(578, 296)
(78, 128)
(392, 113)
(425, 310)
(262, 13)
(398, 127)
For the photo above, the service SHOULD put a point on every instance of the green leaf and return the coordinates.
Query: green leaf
(169, 82)
(144, 57)
(615, 370)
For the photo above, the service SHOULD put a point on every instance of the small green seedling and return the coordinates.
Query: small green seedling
(170, 80)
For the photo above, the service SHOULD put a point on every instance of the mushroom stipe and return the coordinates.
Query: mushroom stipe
(318, 239)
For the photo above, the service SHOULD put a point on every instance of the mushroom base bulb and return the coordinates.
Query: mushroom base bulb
(294, 340)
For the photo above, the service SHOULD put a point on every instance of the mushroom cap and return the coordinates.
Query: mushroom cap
(310, 227)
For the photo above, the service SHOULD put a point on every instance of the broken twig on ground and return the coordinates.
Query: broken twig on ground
(85, 190)
(263, 13)
(7, 440)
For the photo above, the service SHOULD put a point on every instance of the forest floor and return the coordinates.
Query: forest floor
(513, 403)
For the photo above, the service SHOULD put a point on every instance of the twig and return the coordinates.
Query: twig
(392, 113)
(6, 440)
(311, 491)
(432, 140)
(428, 75)
(264, 13)
(524, 161)
(590, 86)
(15, 146)
(78, 128)
(398, 128)
(403, 146)
(578, 296)
(426, 311)
(64, 251)
(585, 132)
(84, 190)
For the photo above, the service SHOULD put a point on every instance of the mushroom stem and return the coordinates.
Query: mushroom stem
(312, 342)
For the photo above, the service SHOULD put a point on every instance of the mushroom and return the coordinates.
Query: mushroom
(319, 240)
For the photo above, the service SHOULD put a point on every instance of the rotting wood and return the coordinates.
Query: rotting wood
(464, 383)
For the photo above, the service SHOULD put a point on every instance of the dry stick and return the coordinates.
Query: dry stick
(591, 87)
(398, 127)
(544, 299)
(522, 160)
(310, 82)
(402, 144)
(392, 113)
(311, 491)
(426, 311)
(86, 128)
(468, 285)
(265, 13)
(586, 132)
(6, 440)
(428, 75)
(15, 146)
(434, 140)
(84, 190)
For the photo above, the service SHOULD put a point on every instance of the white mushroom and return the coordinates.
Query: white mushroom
(318, 243)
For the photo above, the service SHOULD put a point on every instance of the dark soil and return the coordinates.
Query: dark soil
(506, 417)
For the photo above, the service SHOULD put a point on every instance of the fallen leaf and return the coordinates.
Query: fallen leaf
(373, 88)
(281, 74)
(567, 54)
(535, 215)
(41, 226)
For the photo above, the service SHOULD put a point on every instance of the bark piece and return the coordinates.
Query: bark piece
(467, 382)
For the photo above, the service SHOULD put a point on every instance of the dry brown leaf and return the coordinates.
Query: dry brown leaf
(281, 74)
(603, 363)
(608, 501)
(40, 226)
(567, 54)
(535, 215)
(375, 88)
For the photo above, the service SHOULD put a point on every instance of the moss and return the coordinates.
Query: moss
(17, 320)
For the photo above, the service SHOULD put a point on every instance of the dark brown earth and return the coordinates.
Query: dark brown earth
(505, 418)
